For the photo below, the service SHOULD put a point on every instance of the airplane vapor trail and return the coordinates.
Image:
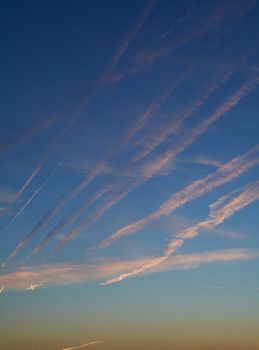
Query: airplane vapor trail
(219, 214)
(163, 160)
(224, 174)
(138, 125)
(26, 135)
(106, 204)
(89, 200)
(25, 185)
(140, 122)
(135, 128)
(152, 263)
(97, 87)
(144, 59)
(82, 346)
(35, 193)
(216, 217)
(128, 39)
(175, 124)
(151, 169)
(88, 178)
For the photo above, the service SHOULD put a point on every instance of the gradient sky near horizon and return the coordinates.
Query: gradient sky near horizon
(129, 180)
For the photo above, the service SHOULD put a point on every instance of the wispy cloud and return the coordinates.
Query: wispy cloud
(204, 161)
(26, 184)
(65, 274)
(153, 168)
(30, 199)
(226, 173)
(128, 39)
(106, 204)
(216, 217)
(219, 214)
(163, 160)
(146, 57)
(6, 195)
(200, 27)
(82, 346)
(88, 201)
(221, 77)
(96, 88)
(26, 135)
(181, 20)
(140, 122)
(172, 247)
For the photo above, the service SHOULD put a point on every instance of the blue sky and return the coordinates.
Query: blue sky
(129, 174)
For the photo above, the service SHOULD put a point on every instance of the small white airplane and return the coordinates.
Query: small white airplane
(34, 286)
(2, 289)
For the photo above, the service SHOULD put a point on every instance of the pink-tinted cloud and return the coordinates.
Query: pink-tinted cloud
(65, 274)
(226, 173)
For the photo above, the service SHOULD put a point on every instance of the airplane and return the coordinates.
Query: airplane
(2, 289)
(34, 286)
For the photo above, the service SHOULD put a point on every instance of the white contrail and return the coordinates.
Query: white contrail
(164, 160)
(26, 135)
(215, 218)
(101, 83)
(70, 218)
(26, 184)
(89, 178)
(128, 39)
(226, 173)
(60, 274)
(151, 169)
(82, 346)
(147, 57)
(175, 124)
(137, 126)
(176, 244)
(108, 203)
(144, 59)
(35, 193)
(219, 214)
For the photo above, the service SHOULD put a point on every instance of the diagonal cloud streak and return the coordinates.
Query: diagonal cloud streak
(151, 169)
(163, 160)
(108, 203)
(173, 126)
(82, 346)
(140, 122)
(219, 214)
(216, 217)
(67, 274)
(145, 58)
(70, 218)
(224, 174)
(136, 127)
(26, 135)
(97, 87)
(35, 193)
(176, 244)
